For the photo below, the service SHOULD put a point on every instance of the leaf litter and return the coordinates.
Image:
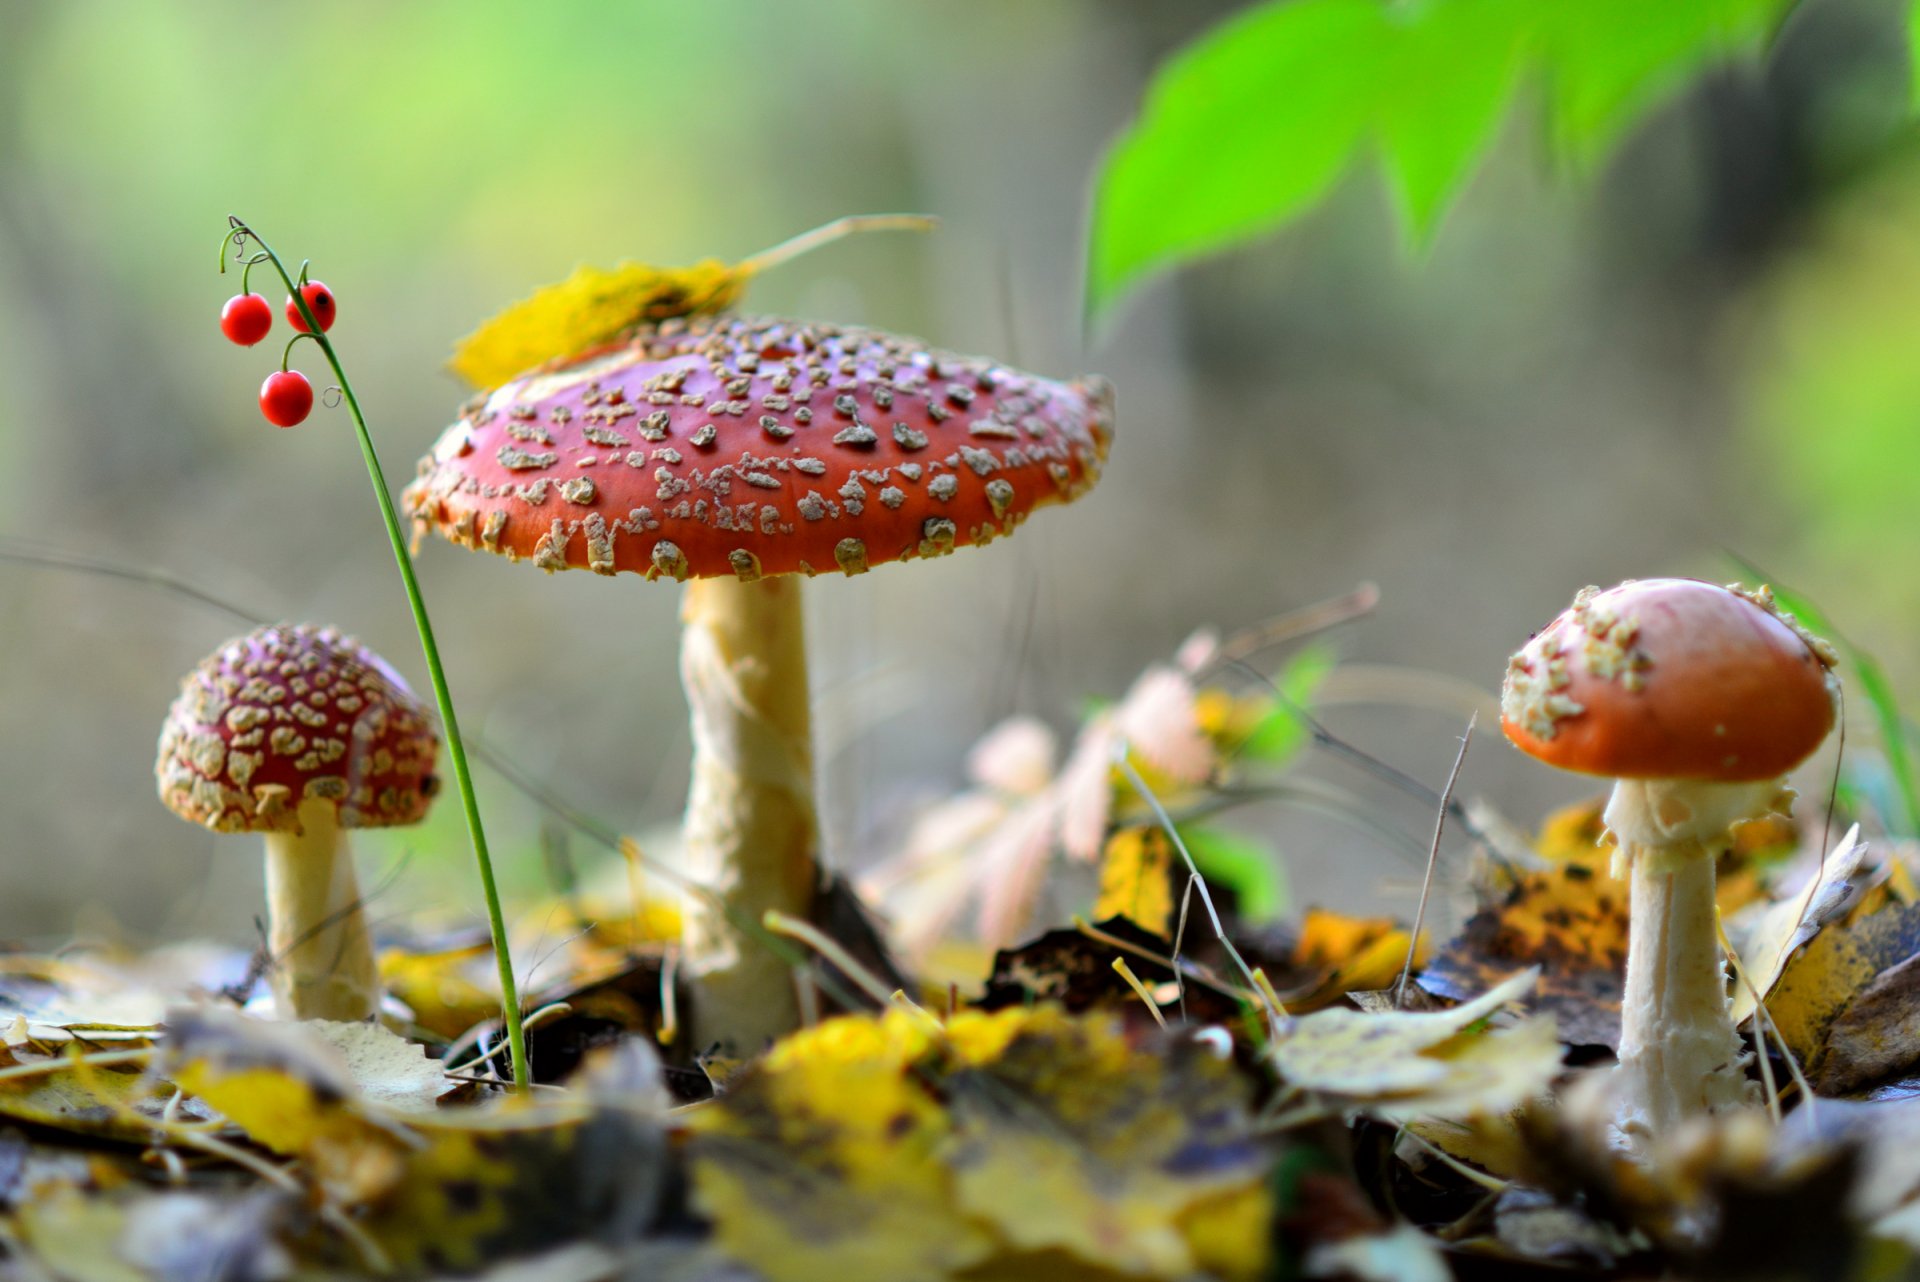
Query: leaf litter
(1138, 1095)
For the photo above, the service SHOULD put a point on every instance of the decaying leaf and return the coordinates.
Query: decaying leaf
(1570, 921)
(1075, 969)
(587, 309)
(115, 1102)
(1407, 1065)
(893, 1146)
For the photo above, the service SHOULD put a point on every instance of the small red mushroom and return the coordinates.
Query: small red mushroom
(735, 453)
(1697, 700)
(300, 733)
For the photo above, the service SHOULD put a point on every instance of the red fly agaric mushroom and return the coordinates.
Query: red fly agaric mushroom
(300, 733)
(1697, 700)
(735, 453)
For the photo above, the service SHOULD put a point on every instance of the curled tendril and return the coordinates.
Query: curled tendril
(238, 234)
(287, 355)
(331, 397)
(246, 271)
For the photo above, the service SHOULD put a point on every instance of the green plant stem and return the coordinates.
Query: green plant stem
(456, 748)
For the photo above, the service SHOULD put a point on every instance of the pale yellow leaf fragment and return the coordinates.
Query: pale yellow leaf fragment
(1404, 1063)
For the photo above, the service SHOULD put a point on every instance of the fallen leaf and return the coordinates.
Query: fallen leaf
(1069, 1140)
(894, 1146)
(1768, 936)
(1569, 920)
(1836, 968)
(1407, 1064)
(109, 1101)
(589, 308)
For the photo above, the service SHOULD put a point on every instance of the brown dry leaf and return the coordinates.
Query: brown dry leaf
(1075, 969)
(1137, 879)
(589, 308)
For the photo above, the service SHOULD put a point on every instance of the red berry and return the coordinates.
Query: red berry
(246, 319)
(319, 301)
(286, 397)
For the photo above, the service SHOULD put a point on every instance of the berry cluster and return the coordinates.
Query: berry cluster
(286, 398)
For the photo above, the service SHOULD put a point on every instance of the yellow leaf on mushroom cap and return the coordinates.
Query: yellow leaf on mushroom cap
(588, 308)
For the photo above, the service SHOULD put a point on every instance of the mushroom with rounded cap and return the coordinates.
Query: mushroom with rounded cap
(736, 453)
(1697, 700)
(300, 733)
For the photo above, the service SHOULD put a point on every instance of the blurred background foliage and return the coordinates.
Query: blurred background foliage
(1603, 362)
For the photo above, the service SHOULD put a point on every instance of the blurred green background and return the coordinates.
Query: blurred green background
(1709, 342)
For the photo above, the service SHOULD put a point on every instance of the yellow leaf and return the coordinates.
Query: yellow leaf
(1336, 955)
(891, 1146)
(1072, 1141)
(1769, 939)
(594, 305)
(589, 308)
(1136, 879)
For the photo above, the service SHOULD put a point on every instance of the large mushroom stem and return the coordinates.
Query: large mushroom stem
(323, 958)
(750, 830)
(1680, 1055)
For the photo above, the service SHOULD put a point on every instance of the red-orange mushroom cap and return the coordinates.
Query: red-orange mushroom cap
(1672, 679)
(743, 447)
(294, 713)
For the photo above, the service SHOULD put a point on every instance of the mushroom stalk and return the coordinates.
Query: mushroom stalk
(750, 829)
(324, 966)
(1680, 1055)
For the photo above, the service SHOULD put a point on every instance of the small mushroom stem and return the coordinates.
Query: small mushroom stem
(1680, 1055)
(323, 958)
(750, 831)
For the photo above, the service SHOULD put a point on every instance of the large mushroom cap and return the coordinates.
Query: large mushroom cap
(287, 714)
(750, 446)
(1671, 679)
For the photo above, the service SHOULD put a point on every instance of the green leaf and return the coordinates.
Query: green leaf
(1253, 124)
(1250, 869)
(1610, 61)
(1913, 54)
(1282, 733)
(1452, 73)
(1246, 127)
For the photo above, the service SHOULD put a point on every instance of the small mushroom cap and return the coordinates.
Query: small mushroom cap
(1672, 679)
(740, 446)
(287, 714)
